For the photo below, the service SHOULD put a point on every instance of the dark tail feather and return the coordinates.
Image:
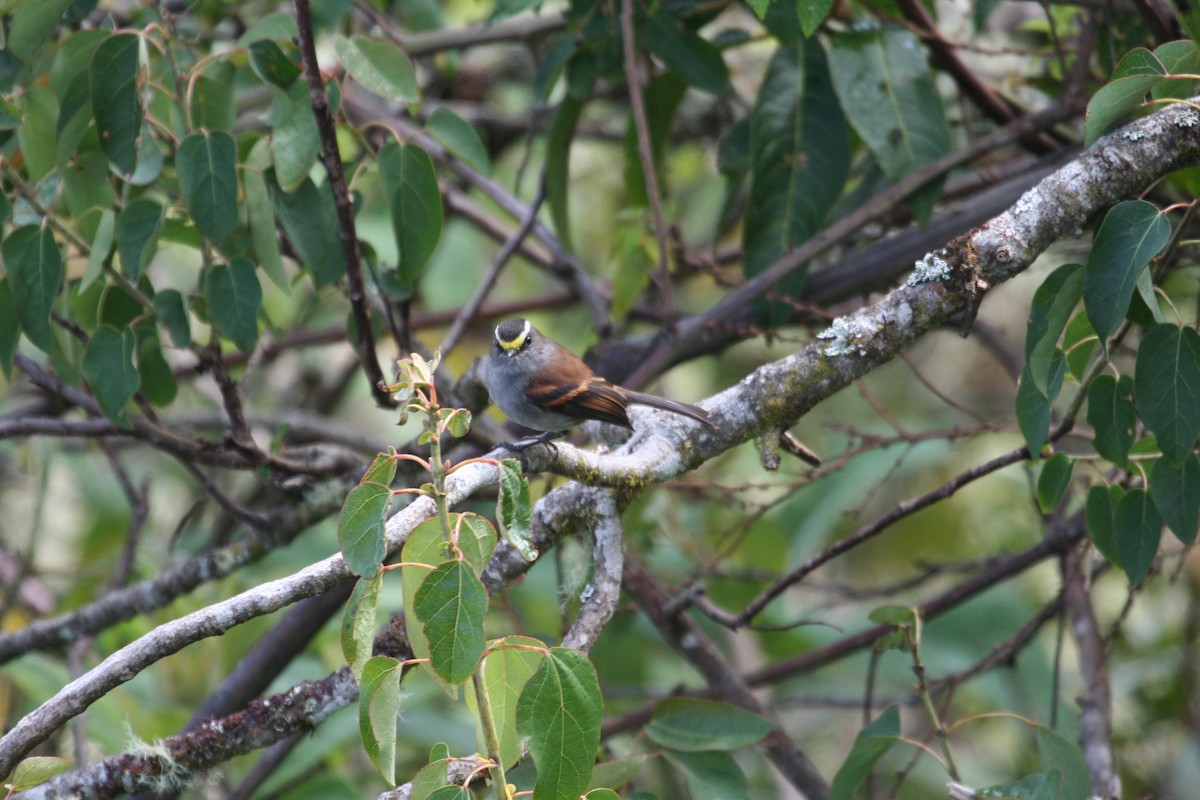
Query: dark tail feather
(686, 409)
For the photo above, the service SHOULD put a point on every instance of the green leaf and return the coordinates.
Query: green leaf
(616, 774)
(36, 770)
(1132, 233)
(602, 794)
(378, 710)
(1059, 755)
(886, 88)
(361, 528)
(711, 775)
(451, 603)
(451, 793)
(514, 511)
(138, 227)
(1052, 305)
(38, 136)
(74, 120)
(696, 725)
(382, 469)
(214, 107)
(1166, 383)
(172, 313)
(432, 776)
(1181, 57)
(102, 244)
(415, 203)
(116, 104)
(1102, 502)
(687, 54)
(149, 158)
(1034, 406)
(272, 64)
(1175, 490)
(558, 166)
(460, 138)
(295, 141)
(632, 265)
(506, 670)
(207, 164)
(234, 296)
(812, 13)
(476, 540)
(1112, 416)
(1115, 103)
(156, 380)
(10, 331)
(35, 273)
(661, 97)
(1079, 342)
(869, 746)
(800, 156)
(1054, 480)
(358, 623)
(425, 545)
(559, 714)
(1138, 528)
(261, 216)
(108, 367)
(381, 67)
(32, 24)
(309, 219)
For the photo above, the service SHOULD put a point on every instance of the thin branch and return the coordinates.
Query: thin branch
(332, 159)
(646, 157)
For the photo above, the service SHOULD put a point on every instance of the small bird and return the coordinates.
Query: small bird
(541, 385)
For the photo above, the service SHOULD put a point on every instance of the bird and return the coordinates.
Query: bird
(540, 384)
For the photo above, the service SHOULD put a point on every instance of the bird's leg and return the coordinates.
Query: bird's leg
(519, 447)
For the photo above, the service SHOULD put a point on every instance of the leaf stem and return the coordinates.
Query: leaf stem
(490, 737)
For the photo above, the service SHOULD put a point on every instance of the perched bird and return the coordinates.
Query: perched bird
(541, 385)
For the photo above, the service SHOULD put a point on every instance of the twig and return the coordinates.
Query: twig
(332, 159)
(646, 157)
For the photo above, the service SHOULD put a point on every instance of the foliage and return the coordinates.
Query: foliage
(221, 225)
